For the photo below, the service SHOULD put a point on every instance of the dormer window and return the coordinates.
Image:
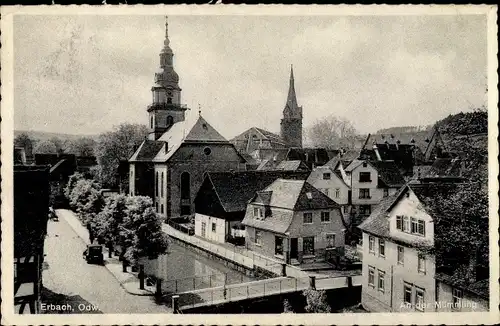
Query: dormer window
(327, 176)
(258, 213)
(365, 164)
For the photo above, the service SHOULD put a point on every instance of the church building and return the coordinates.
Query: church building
(261, 144)
(170, 165)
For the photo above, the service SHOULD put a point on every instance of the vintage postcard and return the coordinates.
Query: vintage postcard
(249, 165)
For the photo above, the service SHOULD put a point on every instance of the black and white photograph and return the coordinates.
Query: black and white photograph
(237, 163)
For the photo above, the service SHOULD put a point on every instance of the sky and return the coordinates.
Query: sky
(85, 74)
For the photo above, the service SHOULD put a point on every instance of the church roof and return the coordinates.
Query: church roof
(187, 131)
(147, 151)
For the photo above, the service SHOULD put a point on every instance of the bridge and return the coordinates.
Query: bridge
(291, 279)
(259, 289)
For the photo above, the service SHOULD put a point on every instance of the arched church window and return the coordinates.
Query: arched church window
(185, 185)
(170, 120)
(151, 123)
(162, 185)
(157, 184)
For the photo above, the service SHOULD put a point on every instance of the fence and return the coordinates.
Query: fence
(181, 227)
(256, 289)
(241, 256)
(200, 282)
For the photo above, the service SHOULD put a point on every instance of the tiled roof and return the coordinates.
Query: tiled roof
(292, 166)
(378, 223)
(445, 167)
(235, 189)
(388, 173)
(147, 150)
(297, 195)
(190, 130)
(292, 195)
(278, 221)
(271, 136)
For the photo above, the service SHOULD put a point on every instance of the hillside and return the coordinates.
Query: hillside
(42, 135)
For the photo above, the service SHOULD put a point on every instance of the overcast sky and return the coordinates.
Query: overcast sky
(85, 74)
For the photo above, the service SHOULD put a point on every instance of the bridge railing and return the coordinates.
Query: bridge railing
(200, 282)
(242, 291)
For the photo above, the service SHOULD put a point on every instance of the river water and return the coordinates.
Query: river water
(182, 269)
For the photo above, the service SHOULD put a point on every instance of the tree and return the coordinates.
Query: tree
(45, 147)
(141, 232)
(109, 221)
(86, 199)
(117, 145)
(24, 141)
(316, 301)
(332, 132)
(81, 147)
(58, 143)
(287, 307)
(73, 179)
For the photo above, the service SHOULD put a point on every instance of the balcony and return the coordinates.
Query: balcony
(167, 106)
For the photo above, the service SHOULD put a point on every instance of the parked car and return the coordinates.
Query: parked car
(93, 254)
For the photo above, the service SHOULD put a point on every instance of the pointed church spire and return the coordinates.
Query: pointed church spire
(166, 43)
(291, 101)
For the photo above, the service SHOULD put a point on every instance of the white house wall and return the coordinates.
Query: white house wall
(220, 227)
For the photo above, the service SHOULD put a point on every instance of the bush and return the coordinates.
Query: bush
(316, 301)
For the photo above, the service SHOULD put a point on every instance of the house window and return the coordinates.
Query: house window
(330, 240)
(457, 296)
(399, 222)
(421, 264)
(371, 244)
(325, 217)
(327, 176)
(413, 225)
(278, 246)
(386, 192)
(258, 237)
(207, 151)
(161, 209)
(381, 247)
(421, 228)
(308, 218)
(337, 193)
(258, 213)
(401, 255)
(371, 276)
(419, 299)
(406, 224)
(407, 293)
(162, 192)
(381, 281)
(326, 192)
(365, 164)
(213, 227)
(308, 244)
(365, 210)
(170, 120)
(364, 193)
(365, 177)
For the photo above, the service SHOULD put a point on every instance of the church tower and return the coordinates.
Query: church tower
(291, 124)
(166, 108)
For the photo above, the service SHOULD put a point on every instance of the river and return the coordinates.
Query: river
(182, 269)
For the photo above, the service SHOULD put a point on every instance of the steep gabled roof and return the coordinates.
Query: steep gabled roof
(297, 195)
(292, 166)
(189, 131)
(235, 189)
(291, 195)
(274, 138)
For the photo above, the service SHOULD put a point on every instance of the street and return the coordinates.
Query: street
(92, 287)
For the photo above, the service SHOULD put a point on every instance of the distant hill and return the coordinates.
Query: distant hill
(42, 135)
